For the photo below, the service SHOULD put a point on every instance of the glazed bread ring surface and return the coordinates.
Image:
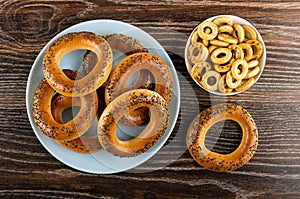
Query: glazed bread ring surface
(131, 64)
(215, 161)
(120, 106)
(46, 123)
(83, 144)
(77, 41)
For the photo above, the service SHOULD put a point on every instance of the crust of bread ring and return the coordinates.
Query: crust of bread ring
(210, 25)
(119, 107)
(116, 83)
(77, 41)
(46, 123)
(83, 144)
(219, 162)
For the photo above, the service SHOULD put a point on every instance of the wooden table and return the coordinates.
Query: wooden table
(28, 170)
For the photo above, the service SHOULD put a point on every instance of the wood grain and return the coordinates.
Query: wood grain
(28, 170)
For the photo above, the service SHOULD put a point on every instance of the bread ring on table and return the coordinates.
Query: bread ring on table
(222, 162)
(239, 69)
(221, 55)
(83, 144)
(77, 41)
(119, 107)
(46, 123)
(207, 35)
(116, 83)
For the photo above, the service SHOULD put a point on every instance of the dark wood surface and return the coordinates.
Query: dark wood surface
(28, 170)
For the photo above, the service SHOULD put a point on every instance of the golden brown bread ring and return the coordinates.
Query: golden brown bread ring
(206, 119)
(207, 35)
(239, 69)
(119, 107)
(116, 83)
(75, 41)
(83, 144)
(118, 43)
(47, 124)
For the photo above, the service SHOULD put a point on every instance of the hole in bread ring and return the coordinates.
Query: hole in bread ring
(70, 42)
(215, 161)
(118, 108)
(83, 144)
(239, 69)
(126, 68)
(46, 123)
(210, 80)
(221, 55)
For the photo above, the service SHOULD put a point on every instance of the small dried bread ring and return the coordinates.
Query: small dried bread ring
(195, 138)
(83, 144)
(195, 37)
(119, 107)
(116, 83)
(219, 43)
(227, 38)
(253, 72)
(248, 52)
(226, 29)
(210, 80)
(212, 48)
(245, 84)
(199, 69)
(237, 51)
(257, 50)
(231, 82)
(253, 63)
(205, 34)
(46, 123)
(197, 52)
(223, 88)
(241, 73)
(221, 55)
(220, 21)
(70, 42)
(250, 33)
(239, 32)
(222, 68)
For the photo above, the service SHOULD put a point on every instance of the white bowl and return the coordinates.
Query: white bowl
(235, 20)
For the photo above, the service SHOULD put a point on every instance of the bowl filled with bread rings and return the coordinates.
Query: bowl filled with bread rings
(225, 55)
(103, 96)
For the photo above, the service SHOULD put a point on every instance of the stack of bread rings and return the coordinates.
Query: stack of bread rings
(102, 93)
(224, 56)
